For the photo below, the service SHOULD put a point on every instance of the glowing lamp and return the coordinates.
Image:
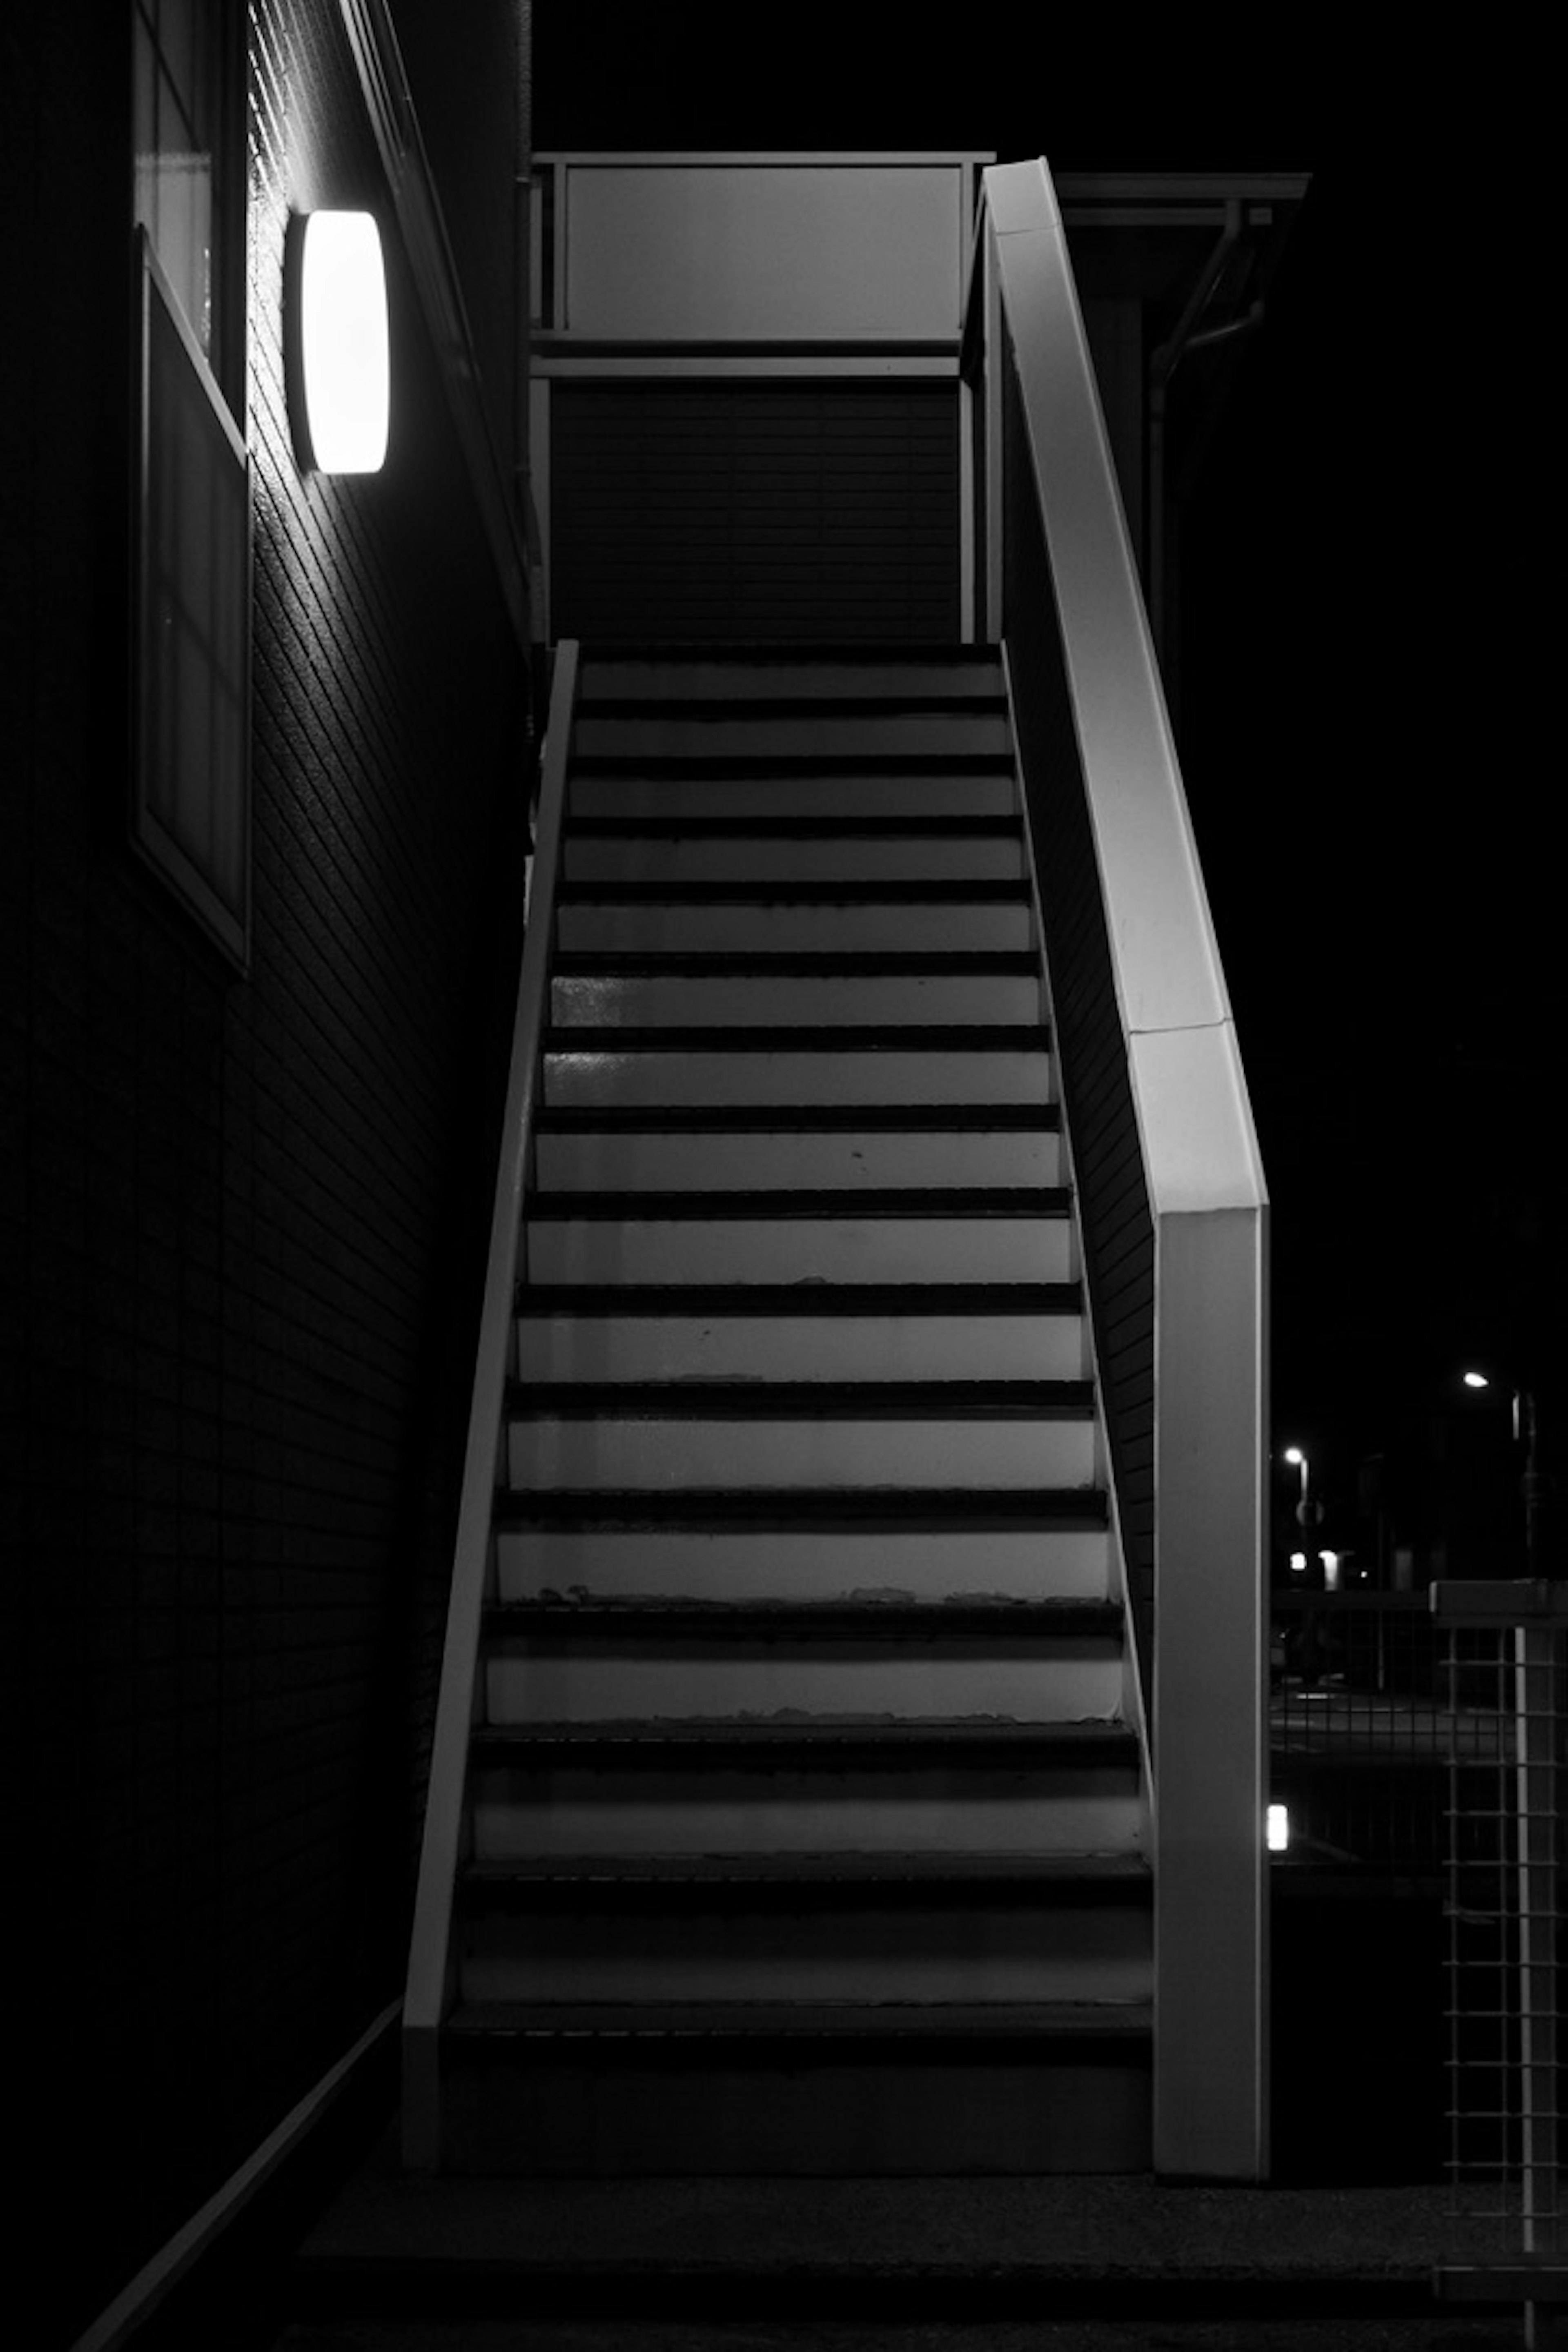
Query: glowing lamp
(1279, 1829)
(342, 386)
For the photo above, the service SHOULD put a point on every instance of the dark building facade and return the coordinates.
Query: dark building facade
(242, 1190)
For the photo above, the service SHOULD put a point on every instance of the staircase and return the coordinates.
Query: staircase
(807, 1817)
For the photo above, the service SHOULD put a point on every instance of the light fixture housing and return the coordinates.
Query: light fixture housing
(340, 392)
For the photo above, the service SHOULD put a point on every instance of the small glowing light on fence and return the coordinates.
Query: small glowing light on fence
(1279, 1829)
(343, 364)
(1299, 1563)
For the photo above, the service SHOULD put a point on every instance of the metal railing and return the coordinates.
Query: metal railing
(1504, 1662)
(1165, 1164)
(430, 1983)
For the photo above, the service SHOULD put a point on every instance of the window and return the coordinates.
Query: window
(191, 799)
(189, 191)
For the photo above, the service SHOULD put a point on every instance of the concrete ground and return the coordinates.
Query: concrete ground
(920, 2265)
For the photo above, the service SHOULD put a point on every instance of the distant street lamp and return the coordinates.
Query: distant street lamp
(1533, 1485)
(1298, 1460)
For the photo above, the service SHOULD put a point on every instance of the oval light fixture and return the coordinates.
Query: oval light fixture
(344, 366)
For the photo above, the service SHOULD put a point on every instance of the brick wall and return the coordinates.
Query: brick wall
(243, 1219)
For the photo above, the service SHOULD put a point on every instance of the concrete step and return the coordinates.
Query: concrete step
(953, 793)
(577, 1238)
(596, 1069)
(706, 1786)
(752, 1434)
(839, 855)
(841, 1927)
(718, 1561)
(896, 1346)
(961, 676)
(799, 2087)
(586, 1673)
(617, 1156)
(743, 1001)
(613, 919)
(830, 732)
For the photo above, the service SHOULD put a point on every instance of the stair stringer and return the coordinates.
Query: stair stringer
(1137, 1669)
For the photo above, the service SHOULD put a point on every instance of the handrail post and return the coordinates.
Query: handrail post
(428, 1991)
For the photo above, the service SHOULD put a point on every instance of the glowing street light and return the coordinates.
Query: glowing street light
(1297, 1461)
(1533, 1483)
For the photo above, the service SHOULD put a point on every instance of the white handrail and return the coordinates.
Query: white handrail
(425, 1998)
(1209, 1204)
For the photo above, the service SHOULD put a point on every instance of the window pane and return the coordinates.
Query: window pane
(177, 104)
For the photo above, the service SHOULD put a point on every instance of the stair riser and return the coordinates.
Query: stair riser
(706, 1808)
(807, 1348)
(826, 1249)
(853, 859)
(675, 1078)
(692, 2115)
(794, 927)
(665, 1453)
(825, 736)
(693, 677)
(743, 1001)
(967, 1949)
(773, 1158)
(727, 1564)
(631, 798)
(1058, 1682)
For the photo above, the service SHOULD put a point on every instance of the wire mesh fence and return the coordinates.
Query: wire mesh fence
(1503, 1655)
(1357, 1728)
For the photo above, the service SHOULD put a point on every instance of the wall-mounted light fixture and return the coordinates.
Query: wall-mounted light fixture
(339, 387)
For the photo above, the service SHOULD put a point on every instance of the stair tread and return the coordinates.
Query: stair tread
(904, 1201)
(887, 1509)
(575, 892)
(731, 766)
(989, 702)
(779, 1037)
(1119, 1869)
(718, 1397)
(799, 1119)
(793, 828)
(803, 2020)
(539, 1300)
(614, 963)
(657, 1613)
(1094, 1735)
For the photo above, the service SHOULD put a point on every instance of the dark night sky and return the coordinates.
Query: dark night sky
(1355, 735)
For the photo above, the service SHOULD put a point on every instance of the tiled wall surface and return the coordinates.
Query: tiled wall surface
(243, 1219)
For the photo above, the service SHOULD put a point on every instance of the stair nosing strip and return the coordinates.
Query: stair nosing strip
(571, 892)
(1109, 1742)
(694, 766)
(870, 1865)
(723, 710)
(802, 1118)
(834, 1510)
(543, 1301)
(749, 1038)
(669, 1617)
(993, 827)
(967, 1201)
(727, 1399)
(768, 963)
(1041, 2023)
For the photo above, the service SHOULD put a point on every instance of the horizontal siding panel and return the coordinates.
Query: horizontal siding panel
(753, 512)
